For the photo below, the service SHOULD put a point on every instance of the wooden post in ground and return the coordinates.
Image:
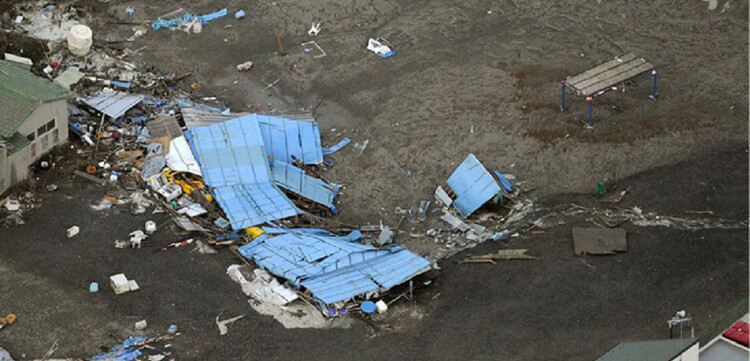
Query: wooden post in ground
(282, 52)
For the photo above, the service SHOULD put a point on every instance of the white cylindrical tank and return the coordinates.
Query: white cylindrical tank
(80, 39)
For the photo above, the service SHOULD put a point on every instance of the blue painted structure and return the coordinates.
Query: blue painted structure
(504, 181)
(233, 161)
(286, 138)
(336, 147)
(473, 186)
(296, 181)
(333, 267)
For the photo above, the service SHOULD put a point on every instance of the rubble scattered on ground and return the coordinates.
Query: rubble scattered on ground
(139, 140)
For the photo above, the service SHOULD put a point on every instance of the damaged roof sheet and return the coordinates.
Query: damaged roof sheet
(287, 139)
(164, 126)
(332, 267)
(473, 186)
(113, 103)
(378, 273)
(233, 161)
(296, 181)
(293, 135)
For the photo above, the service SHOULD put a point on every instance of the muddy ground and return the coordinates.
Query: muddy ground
(561, 307)
(490, 67)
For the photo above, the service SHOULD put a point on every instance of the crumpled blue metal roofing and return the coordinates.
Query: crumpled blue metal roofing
(234, 162)
(504, 181)
(287, 139)
(295, 180)
(332, 267)
(379, 273)
(113, 103)
(293, 135)
(473, 186)
(351, 237)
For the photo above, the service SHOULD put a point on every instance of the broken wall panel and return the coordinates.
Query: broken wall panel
(296, 181)
(473, 186)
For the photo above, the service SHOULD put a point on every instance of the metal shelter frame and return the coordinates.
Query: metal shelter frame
(607, 76)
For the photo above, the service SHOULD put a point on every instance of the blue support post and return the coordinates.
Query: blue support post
(656, 78)
(590, 100)
(562, 107)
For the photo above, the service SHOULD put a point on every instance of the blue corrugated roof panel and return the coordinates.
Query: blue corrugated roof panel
(253, 204)
(473, 186)
(295, 180)
(379, 273)
(286, 138)
(332, 267)
(233, 161)
(298, 255)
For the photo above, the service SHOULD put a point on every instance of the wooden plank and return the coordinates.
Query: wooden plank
(619, 78)
(604, 77)
(90, 177)
(600, 68)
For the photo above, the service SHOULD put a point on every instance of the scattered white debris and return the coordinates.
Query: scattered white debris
(223, 324)
(72, 231)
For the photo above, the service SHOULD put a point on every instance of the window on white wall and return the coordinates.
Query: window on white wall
(45, 128)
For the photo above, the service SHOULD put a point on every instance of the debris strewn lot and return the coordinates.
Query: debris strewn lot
(223, 181)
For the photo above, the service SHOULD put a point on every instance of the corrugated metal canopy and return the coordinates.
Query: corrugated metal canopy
(233, 161)
(113, 103)
(473, 186)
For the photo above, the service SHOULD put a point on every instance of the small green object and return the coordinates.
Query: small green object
(600, 190)
(174, 205)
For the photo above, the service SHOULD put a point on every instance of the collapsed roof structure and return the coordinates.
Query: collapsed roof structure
(333, 268)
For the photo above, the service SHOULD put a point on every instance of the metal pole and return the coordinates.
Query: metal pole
(562, 108)
(622, 96)
(591, 105)
(656, 78)
(98, 135)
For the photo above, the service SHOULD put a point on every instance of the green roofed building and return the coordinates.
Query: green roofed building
(661, 350)
(33, 119)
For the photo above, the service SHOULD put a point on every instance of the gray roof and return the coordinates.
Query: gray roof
(661, 350)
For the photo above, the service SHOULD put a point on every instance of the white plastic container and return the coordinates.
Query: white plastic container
(150, 227)
(381, 306)
(72, 231)
(80, 39)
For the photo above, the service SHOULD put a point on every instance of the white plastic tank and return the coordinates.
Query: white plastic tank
(80, 39)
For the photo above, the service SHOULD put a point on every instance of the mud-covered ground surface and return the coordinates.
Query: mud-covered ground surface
(489, 67)
(577, 306)
(472, 77)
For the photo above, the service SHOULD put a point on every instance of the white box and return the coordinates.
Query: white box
(119, 283)
(72, 231)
